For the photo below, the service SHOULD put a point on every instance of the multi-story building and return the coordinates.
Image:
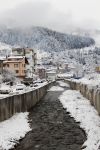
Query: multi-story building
(2, 59)
(16, 64)
(41, 72)
(31, 56)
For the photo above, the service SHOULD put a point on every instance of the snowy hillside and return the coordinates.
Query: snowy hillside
(96, 36)
(44, 39)
(4, 46)
(5, 49)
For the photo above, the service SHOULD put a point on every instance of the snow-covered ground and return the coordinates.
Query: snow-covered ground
(81, 109)
(13, 129)
(4, 46)
(65, 75)
(63, 84)
(15, 92)
(56, 88)
(89, 79)
(41, 84)
(3, 95)
(5, 49)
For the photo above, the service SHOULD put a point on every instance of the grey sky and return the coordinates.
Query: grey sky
(55, 14)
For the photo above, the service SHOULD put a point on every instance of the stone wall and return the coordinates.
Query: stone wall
(91, 93)
(21, 103)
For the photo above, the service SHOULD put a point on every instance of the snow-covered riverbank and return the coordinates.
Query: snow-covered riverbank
(13, 129)
(81, 109)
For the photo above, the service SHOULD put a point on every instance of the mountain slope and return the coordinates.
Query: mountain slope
(44, 39)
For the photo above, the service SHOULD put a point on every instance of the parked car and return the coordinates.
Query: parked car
(35, 85)
(40, 80)
(31, 85)
(20, 87)
(5, 89)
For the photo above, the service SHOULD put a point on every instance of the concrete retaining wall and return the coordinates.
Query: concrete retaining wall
(21, 103)
(91, 93)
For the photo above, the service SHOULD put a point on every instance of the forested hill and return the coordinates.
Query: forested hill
(44, 39)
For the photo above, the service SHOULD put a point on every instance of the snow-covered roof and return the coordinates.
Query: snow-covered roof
(40, 67)
(16, 57)
(65, 75)
(51, 72)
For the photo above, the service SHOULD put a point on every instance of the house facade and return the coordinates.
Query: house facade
(41, 72)
(2, 59)
(16, 64)
(31, 56)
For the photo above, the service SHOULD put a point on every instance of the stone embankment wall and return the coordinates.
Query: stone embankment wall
(21, 103)
(91, 93)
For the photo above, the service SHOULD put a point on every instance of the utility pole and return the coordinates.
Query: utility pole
(1, 66)
(34, 61)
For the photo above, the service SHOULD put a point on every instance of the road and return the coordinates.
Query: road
(52, 127)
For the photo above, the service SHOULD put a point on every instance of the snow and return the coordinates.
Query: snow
(16, 57)
(96, 36)
(3, 95)
(13, 129)
(40, 85)
(56, 88)
(90, 80)
(4, 46)
(51, 72)
(2, 58)
(63, 84)
(4, 87)
(81, 109)
(65, 75)
(13, 89)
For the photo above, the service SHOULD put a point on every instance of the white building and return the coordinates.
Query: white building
(51, 75)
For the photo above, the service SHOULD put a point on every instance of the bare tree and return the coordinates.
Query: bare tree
(8, 75)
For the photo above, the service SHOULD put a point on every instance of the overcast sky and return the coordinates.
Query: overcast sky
(55, 14)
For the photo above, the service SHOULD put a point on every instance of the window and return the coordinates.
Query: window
(7, 65)
(4, 65)
(16, 65)
(23, 65)
(17, 71)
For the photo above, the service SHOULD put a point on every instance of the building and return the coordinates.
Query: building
(1, 64)
(51, 75)
(16, 64)
(31, 56)
(41, 72)
(97, 69)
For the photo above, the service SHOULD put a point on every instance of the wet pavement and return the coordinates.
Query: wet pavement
(52, 127)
